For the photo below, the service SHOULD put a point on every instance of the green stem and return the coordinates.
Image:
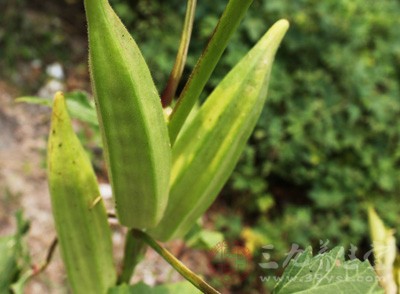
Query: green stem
(133, 253)
(227, 25)
(176, 73)
(175, 263)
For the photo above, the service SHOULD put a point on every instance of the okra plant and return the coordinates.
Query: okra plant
(165, 171)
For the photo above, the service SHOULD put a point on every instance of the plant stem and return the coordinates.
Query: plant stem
(133, 253)
(227, 25)
(198, 282)
(47, 261)
(177, 70)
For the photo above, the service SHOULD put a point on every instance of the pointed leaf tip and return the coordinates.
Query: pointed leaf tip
(131, 120)
(84, 234)
(201, 167)
(58, 98)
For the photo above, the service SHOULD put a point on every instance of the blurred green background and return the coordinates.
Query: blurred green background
(328, 140)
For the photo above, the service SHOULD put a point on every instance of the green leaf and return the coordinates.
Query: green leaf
(8, 263)
(227, 25)
(13, 258)
(134, 131)
(200, 238)
(82, 228)
(19, 286)
(142, 288)
(78, 105)
(327, 273)
(35, 100)
(206, 153)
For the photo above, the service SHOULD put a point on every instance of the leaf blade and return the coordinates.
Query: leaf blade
(227, 25)
(134, 131)
(206, 153)
(83, 232)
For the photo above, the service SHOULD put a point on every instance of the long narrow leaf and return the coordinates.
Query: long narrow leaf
(206, 153)
(83, 231)
(135, 135)
(227, 25)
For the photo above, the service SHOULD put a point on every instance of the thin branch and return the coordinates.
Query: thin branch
(38, 270)
(50, 252)
(177, 70)
(175, 263)
(45, 264)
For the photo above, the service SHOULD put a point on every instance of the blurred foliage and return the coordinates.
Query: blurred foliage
(29, 36)
(328, 139)
(14, 258)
